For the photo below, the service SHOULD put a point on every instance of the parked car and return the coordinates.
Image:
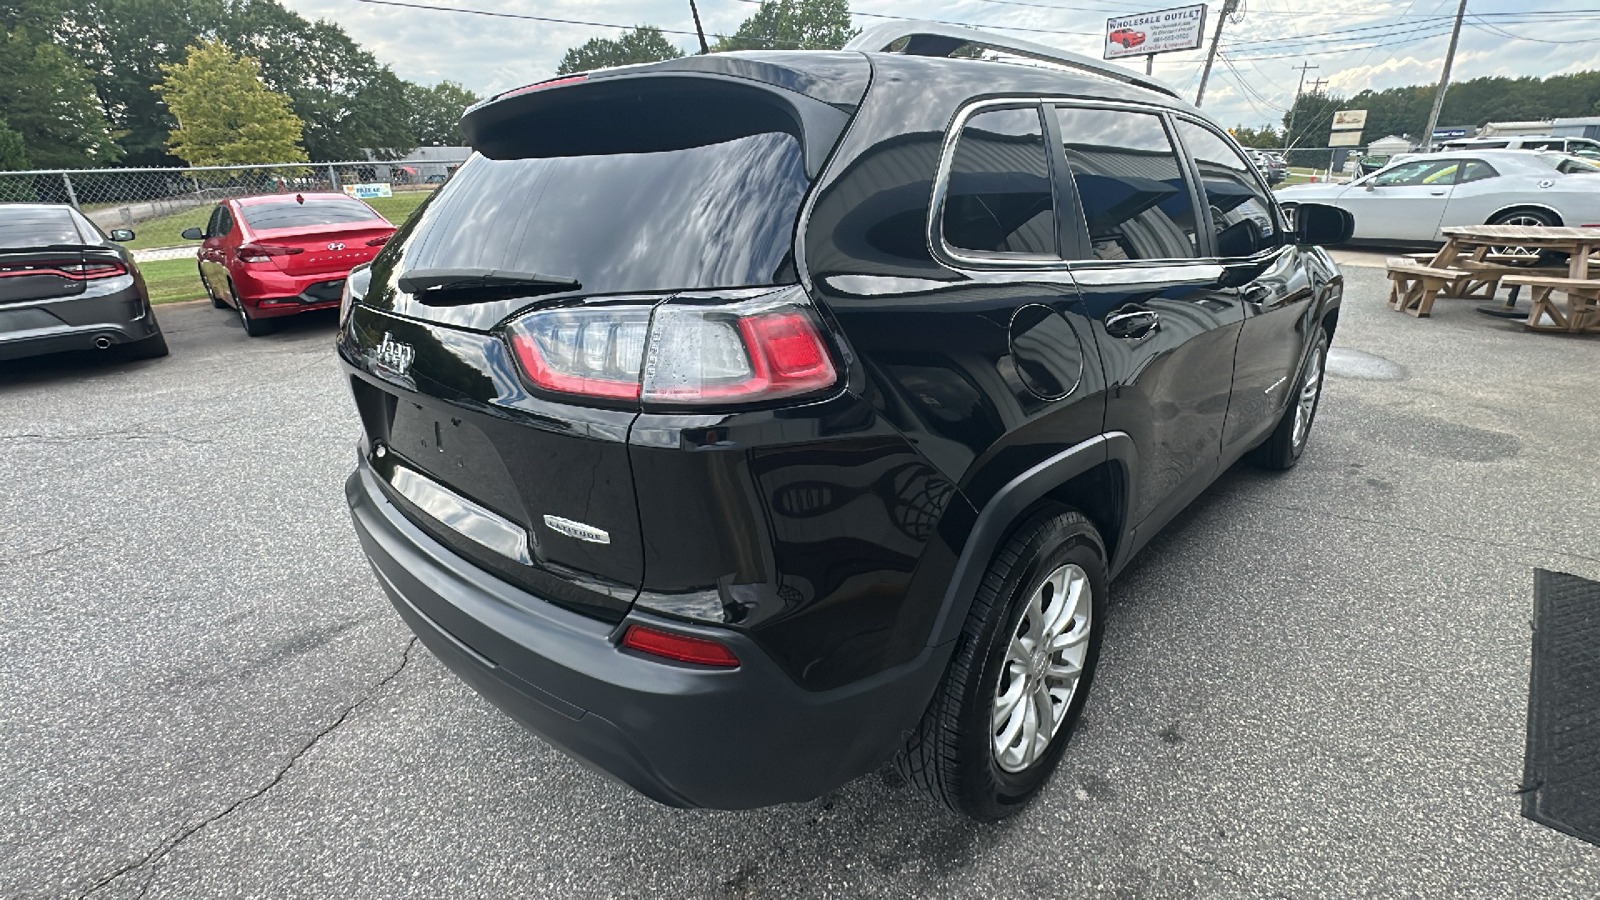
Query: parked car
(820, 404)
(1272, 167)
(281, 254)
(1411, 199)
(66, 285)
(1578, 146)
(1369, 164)
(1127, 37)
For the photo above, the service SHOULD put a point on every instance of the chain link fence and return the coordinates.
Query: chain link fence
(124, 198)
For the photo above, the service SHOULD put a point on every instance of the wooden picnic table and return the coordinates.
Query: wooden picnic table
(1465, 257)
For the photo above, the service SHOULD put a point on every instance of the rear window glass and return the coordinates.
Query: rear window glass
(719, 215)
(22, 227)
(999, 199)
(313, 212)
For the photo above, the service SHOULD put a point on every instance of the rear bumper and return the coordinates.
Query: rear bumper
(269, 292)
(682, 735)
(118, 314)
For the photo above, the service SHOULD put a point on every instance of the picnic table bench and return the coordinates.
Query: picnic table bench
(1471, 266)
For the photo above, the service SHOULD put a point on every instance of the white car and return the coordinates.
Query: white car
(1409, 200)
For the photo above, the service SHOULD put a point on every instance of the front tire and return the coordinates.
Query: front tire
(1016, 684)
(1282, 449)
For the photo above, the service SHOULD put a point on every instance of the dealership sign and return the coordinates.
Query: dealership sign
(1156, 32)
(368, 191)
(1347, 125)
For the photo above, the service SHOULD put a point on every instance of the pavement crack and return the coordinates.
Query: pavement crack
(125, 434)
(169, 845)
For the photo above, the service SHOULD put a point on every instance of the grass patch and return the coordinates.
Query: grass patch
(163, 231)
(172, 280)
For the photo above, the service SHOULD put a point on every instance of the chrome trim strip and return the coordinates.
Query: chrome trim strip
(461, 515)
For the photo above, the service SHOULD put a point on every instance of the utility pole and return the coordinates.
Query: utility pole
(1444, 79)
(1289, 128)
(1228, 6)
(697, 29)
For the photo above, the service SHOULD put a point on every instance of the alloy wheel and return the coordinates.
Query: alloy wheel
(1520, 256)
(1042, 667)
(1306, 406)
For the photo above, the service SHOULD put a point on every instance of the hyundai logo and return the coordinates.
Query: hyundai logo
(335, 246)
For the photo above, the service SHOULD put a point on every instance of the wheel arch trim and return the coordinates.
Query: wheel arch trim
(1513, 207)
(1012, 501)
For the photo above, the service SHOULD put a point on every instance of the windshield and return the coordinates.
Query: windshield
(719, 215)
(313, 212)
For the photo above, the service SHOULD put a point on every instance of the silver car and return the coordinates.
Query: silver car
(1410, 199)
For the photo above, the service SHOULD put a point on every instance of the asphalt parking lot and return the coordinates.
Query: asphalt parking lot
(1314, 684)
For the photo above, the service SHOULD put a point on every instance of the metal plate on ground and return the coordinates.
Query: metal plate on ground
(1561, 776)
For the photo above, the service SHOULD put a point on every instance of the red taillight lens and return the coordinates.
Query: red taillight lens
(681, 354)
(594, 351)
(680, 647)
(73, 269)
(254, 253)
(380, 240)
(573, 79)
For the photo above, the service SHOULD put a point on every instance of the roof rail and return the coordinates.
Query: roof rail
(934, 39)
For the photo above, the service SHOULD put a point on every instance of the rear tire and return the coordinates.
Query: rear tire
(252, 327)
(974, 750)
(1282, 449)
(1527, 257)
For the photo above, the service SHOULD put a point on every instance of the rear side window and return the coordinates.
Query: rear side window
(1135, 199)
(22, 227)
(1475, 170)
(999, 194)
(1241, 212)
(313, 212)
(718, 215)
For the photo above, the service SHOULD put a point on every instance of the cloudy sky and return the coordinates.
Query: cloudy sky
(1354, 43)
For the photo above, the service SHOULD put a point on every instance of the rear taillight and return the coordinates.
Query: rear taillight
(680, 647)
(355, 288)
(380, 240)
(255, 253)
(684, 354)
(73, 269)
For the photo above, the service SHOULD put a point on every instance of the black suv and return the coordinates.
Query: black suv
(744, 421)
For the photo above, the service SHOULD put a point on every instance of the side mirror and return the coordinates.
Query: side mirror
(122, 235)
(193, 234)
(1316, 223)
(1372, 185)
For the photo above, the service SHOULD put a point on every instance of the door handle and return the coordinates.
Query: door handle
(1132, 322)
(1437, 193)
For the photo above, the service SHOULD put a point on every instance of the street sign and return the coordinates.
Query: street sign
(1350, 120)
(1163, 31)
(1344, 139)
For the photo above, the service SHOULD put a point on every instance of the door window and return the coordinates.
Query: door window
(999, 198)
(1241, 211)
(1135, 200)
(1421, 172)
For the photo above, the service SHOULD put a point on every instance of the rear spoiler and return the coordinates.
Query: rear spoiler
(674, 105)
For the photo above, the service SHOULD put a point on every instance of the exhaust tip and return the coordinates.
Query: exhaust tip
(102, 342)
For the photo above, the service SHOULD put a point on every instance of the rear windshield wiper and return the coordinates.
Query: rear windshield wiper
(429, 281)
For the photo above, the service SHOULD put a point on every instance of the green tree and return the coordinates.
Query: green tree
(13, 153)
(226, 115)
(1265, 137)
(645, 43)
(49, 99)
(791, 25)
(436, 113)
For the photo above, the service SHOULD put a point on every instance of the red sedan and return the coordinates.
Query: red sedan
(1127, 37)
(282, 254)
